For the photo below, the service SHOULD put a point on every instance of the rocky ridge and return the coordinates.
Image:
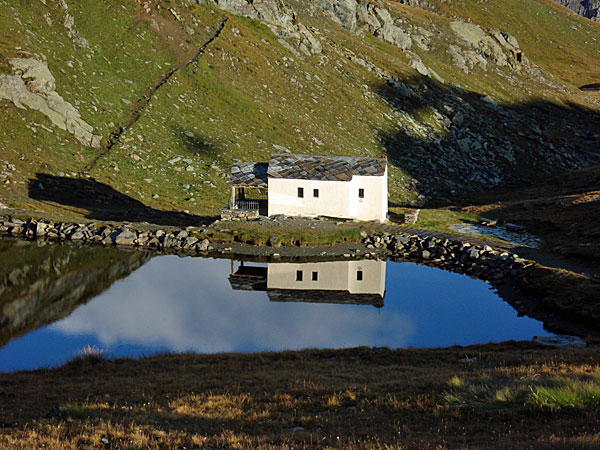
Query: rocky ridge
(585, 8)
(280, 19)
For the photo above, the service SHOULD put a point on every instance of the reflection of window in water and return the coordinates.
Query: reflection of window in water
(351, 282)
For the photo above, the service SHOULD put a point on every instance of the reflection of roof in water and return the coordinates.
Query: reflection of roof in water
(247, 284)
(324, 296)
(249, 278)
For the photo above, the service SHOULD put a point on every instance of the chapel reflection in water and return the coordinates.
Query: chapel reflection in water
(340, 282)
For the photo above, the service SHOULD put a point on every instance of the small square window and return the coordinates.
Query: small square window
(361, 193)
(316, 193)
(298, 275)
(359, 275)
(300, 192)
(315, 276)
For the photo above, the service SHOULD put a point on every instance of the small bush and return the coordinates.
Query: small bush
(89, 355)
(455, 382)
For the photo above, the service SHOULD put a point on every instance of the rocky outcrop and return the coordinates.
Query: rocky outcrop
(69, 24)
(33, 86)
(352, 14)
(281, 19)
(494, 46)
(585, 8)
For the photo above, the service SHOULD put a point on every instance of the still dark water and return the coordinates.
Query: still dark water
(131, 305)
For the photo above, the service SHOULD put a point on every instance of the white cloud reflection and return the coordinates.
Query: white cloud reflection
(187, 304)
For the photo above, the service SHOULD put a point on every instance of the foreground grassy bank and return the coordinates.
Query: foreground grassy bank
(511, 395)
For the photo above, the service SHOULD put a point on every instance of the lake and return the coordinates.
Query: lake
(56, 300)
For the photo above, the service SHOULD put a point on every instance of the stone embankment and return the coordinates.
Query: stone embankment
(105, 235)
(482, 262)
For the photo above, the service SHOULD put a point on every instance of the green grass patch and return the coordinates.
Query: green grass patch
(76, 412)
(567, 393)
(434, 219)
(260, 233)
(493, 394)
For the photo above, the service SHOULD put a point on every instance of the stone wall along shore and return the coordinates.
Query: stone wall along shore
(103, 234)
(482, 262)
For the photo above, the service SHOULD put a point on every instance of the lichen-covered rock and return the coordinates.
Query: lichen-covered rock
(33, 86)
(496, 46)
(351, 14)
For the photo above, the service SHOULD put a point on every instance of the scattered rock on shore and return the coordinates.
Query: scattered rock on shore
(482, 262)
(103, 234)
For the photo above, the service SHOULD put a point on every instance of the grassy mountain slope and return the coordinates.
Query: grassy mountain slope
(248, 95)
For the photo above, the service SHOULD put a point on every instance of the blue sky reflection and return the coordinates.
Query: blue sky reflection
(186, 304)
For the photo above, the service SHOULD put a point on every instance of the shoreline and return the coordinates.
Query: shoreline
(515, 278)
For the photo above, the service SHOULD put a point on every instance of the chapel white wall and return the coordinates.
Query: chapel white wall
(332, 200)
(374, 206)
(336, 198)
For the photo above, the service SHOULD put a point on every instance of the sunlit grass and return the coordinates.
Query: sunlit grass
(567, 393)
(489, 394)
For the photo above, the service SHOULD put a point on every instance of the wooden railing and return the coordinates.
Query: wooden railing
(247, 205)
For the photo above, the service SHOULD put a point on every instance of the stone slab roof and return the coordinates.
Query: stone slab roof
(325, 168)
(304, 167)
(249, 174)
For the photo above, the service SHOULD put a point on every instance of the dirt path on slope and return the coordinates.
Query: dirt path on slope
(141, 103)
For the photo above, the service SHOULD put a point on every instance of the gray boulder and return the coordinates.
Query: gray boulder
(499, 47)
(203, 245)
(41, 229)
(79, 234)
(125, 237)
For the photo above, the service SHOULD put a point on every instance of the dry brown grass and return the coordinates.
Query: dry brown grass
(357, 398)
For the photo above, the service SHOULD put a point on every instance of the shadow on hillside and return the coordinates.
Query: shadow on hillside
(195, 144)
(478, 145)
(105, 203)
